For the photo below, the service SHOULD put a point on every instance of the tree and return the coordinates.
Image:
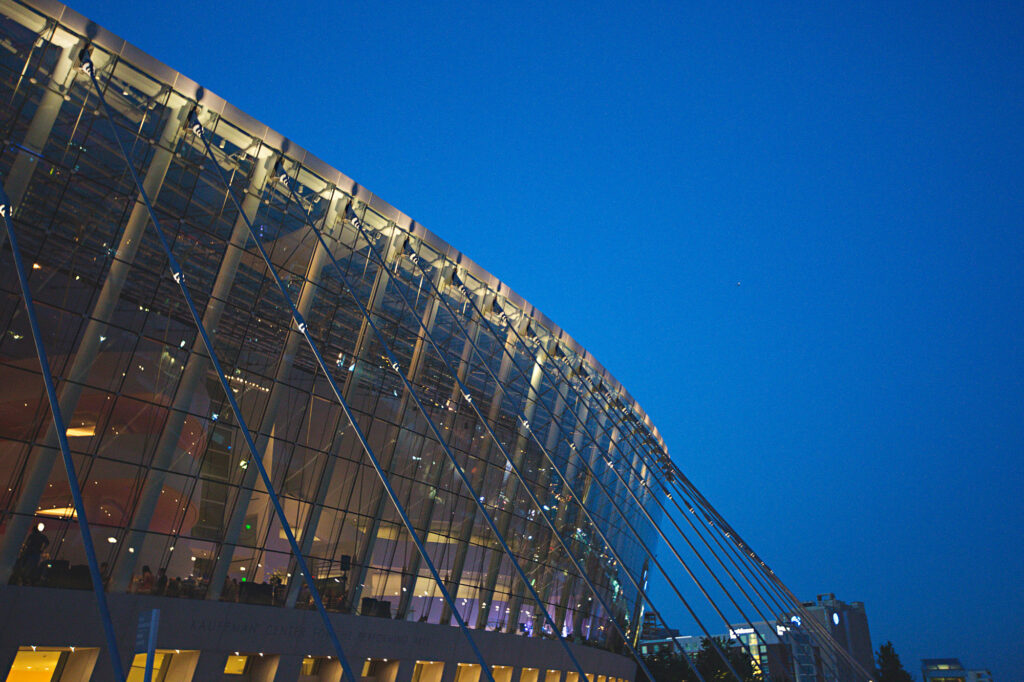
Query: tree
(713, 669)
(889, 667)
(671, 666)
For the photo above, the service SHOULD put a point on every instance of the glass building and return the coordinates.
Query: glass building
(179, 516)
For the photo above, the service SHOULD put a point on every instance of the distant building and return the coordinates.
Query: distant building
(788, 650)
(783, 653)
(848, 625)
(655, 638)
(653, 630)
(780, 653)
(951, 670)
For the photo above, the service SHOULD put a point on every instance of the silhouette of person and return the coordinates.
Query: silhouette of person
(161, 580)
(146, 581)
(33, 553)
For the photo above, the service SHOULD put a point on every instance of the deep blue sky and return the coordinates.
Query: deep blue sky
(855, 407)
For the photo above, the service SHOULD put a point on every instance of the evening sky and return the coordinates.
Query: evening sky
(792, 231)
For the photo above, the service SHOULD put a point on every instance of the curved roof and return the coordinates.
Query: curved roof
(312, 165)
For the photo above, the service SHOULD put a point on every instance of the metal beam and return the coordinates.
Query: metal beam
(194, 373)
(264, 437)
(41, 458)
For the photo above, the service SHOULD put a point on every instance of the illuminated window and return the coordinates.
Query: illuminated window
(468, 672)
(427, 671)
(501, 673)
(35, 666)
(32, 666)
(236, 665)
(376, 667)
(137, 673)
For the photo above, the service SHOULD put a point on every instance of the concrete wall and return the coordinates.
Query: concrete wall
(208, 632)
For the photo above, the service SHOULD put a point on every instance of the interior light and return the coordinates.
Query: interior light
(59, 512)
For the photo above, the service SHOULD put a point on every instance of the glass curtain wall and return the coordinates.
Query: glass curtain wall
(175, 508)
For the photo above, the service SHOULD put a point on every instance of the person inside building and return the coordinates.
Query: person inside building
(32, 553)
(145, 581)
(161, 580)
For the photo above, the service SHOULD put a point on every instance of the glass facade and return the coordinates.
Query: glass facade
(174, 505)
